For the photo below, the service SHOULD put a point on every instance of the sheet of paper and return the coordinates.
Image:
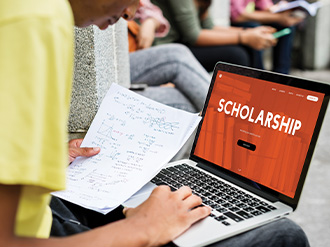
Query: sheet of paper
(310, 8)
(137, 136)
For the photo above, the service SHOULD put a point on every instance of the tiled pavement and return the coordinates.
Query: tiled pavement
(313, 212)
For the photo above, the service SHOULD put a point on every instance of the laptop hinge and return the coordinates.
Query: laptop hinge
(250, 188)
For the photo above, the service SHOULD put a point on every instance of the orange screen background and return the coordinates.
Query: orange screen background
(279, 157)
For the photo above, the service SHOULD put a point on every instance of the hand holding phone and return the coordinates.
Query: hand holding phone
(282, 33)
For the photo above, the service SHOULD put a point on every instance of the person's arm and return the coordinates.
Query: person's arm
(148, 10)
(153, 24)
(111, 235)
(185, 14)
(262, 14)
(184, 19)
(161, 218)
(258, 38)
(147, 33)
(265, 17)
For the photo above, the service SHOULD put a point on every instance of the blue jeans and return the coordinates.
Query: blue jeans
(70, 219)
(280, 233)
(208, 56)
(171, 63)
(281, 52)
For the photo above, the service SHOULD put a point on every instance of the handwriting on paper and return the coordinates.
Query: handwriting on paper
(136, 136)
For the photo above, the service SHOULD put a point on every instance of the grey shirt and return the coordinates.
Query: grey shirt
(184, 20)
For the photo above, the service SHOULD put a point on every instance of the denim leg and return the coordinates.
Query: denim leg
(281, 233)
(257, 59)
(282, 52)
(256, 55)
(168, 96)
(208, 56)
(171, 63)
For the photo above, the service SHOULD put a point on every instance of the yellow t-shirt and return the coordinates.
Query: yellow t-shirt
(36, 51)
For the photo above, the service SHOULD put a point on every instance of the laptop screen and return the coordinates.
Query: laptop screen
(258, 129)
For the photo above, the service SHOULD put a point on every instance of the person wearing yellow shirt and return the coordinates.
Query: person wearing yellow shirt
(36, 50)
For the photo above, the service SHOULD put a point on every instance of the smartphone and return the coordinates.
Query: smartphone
(138, 86)
(282, 33)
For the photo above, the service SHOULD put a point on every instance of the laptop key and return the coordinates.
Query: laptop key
(256, 213)
(226, 205)
(221, 218)
(245, 215)
(234, 209)
(263, 209)
(212, 215)
(220, 201)
(225, 223)
(216, 206)
(164, 183)
(272, 207)
(253, 204)
(233, 216)
(156, 180)
(248, 209)
(240, 205)
(208, 202)
(221, 210)
(227, 198)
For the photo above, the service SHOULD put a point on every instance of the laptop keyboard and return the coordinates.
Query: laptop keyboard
(229, 204)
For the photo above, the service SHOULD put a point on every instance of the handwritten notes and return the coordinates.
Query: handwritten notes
(137, 136)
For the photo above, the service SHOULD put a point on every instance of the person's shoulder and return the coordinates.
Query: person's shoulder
(13, 10)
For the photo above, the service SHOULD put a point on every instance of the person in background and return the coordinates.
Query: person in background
(253, 13)
(171, 73)
(191, 25)
(148, 23)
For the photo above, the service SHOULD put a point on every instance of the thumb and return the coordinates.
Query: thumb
(125, 211)
(86, 152)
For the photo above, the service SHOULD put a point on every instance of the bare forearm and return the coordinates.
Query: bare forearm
(161, 218)
(217, 37)
(263, 17)
(151, 23)
(121, 233)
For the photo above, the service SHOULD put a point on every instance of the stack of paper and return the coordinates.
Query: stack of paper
(137, 136)
(302, 5)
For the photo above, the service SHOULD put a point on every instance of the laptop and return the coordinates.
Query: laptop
(251, 152)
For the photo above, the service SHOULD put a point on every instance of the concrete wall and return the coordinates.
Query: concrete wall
(316, 40)
(101, 58)
(220, 12)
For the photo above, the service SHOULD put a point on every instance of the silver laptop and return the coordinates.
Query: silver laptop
(251, 152)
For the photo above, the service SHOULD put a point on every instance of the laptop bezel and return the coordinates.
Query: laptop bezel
(280, 79)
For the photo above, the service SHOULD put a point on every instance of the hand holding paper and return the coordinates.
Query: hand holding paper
(137, 136)
(301, 5)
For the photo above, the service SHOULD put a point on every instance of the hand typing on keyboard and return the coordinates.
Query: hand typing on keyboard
(166, 214)
(226, 201)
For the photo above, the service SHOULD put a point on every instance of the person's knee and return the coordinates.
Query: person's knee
(240, 56)
(179, 53)
(290, 234)
(178, 48)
